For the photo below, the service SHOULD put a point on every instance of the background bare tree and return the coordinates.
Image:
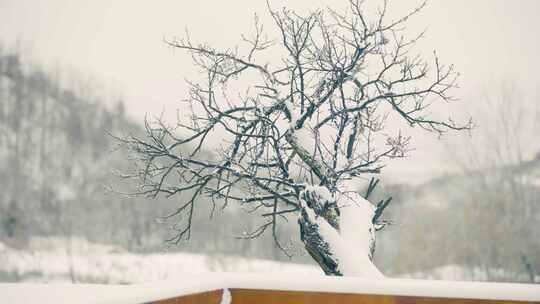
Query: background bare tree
(501, 163)
(295, 135)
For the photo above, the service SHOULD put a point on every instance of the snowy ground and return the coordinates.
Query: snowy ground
(169, 275)
(459, 273)
(48, 260)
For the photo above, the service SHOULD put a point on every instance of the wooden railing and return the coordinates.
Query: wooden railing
(215, 288)
(248, 296)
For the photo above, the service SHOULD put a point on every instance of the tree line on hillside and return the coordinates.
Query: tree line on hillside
(485, 218)
(56, 156)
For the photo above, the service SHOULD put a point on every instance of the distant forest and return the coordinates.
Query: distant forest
(57, 163)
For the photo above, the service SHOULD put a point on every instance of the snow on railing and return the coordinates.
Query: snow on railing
(258, 289)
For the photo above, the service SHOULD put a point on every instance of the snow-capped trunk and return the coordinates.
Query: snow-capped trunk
(338, 232)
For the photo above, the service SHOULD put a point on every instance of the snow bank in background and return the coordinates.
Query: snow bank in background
(49, 261)
(460, 273)
(175, 274)
(95, 263)
(76, 244)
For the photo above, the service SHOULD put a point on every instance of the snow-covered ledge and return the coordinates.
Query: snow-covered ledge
(144, 293)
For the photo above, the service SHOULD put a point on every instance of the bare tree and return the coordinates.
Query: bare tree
(501, 172)
(304, 130)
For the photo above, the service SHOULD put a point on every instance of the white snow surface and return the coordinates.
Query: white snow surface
(453, 272)
(322, 192)
(47, 260)
(167, 275)
(357, 233)
(141, 293)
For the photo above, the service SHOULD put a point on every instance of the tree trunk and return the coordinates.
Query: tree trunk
(325, 240)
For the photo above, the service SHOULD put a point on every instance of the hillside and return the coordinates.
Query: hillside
(57, 165)
(482, 220)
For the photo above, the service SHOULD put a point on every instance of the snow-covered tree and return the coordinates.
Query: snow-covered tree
(294, 123)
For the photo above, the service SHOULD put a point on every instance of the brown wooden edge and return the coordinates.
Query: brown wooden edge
(208, 297)
(252, 296)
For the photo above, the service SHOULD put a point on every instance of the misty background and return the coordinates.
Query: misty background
(465, 206)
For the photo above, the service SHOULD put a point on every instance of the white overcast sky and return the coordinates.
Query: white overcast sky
(120, 42)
